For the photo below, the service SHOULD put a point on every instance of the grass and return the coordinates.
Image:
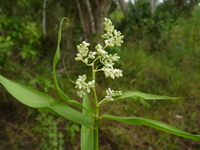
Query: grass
(160, 73)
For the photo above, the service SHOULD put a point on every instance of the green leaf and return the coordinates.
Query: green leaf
(145, 96)
(152, 123)
(35, 99)
(134, 94)
(56, 59)
(87, 134)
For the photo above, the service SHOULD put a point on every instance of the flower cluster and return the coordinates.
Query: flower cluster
(112, 38)
(111, 93)
(108, 62)
(82, 54)
(81, 85)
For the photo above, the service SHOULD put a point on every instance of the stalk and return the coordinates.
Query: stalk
(96, 133)
(96, 113)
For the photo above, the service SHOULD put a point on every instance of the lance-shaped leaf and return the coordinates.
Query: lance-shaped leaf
(152, 123)
(87, 134)
(134, 94)
(146, 96)
(38, 100)
(56, 59)
(143, 95)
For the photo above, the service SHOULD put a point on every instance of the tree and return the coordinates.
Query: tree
(185, 5)
(123, 5)
(92, 14)
(153, 5)
(44, 18)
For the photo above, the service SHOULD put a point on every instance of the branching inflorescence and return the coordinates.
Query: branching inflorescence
(112, 38)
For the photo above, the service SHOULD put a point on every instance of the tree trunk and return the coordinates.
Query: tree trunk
(92, 14)
(153, 5)
(179, 4)
(92, 22)
(44, 18)
(82, 21)
(102, 7)
(123, 6)
(193, 3)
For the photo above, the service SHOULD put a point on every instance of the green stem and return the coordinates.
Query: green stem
(96, 115)
(96, 133)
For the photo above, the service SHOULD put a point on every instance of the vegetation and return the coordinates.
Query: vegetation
(160, 56)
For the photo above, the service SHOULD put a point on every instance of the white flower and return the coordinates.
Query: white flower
(82, 51)
(92, 55)
(111, 93)
(115, 57)
(111, 72)
(79, 57)
(109, 28)
(81, 85)
(108, 25)
(83, 48)
(117, 73)
(80, 82)
(110, 42)
(118, 38)
(100, 50)
(112, 36)
(85, 60)
(108, 62)
(80, 93)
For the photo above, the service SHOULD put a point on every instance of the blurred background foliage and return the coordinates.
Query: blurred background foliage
(160, 55)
